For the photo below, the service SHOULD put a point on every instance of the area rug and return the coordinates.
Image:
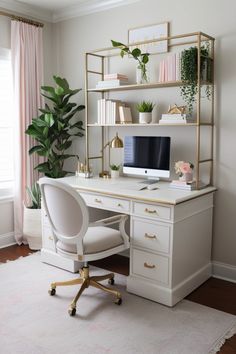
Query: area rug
(32, 322)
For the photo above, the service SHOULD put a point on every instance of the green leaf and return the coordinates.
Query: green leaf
(63, 83)
(35, 149)
(117, 44)
(49, 119)
(59, 91)
(136, 52)
(145, 58)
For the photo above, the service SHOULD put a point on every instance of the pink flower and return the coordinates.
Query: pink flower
(186, 168)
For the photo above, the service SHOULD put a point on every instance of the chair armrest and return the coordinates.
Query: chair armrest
(117, 219)
(109, 221)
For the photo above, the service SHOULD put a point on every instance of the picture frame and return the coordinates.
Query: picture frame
(146, 33)
(125, 115)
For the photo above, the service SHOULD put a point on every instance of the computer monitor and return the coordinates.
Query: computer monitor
(147, 156)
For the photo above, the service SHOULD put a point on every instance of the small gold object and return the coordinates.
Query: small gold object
(98, 200)
(146, 265)
(151, 211)
(119, 205)
(150, 236)
(177, 109)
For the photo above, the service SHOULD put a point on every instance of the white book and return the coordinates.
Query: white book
(111, 83)
(176, 116)
(115, 76)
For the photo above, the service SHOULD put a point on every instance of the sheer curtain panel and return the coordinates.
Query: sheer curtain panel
(27, 63)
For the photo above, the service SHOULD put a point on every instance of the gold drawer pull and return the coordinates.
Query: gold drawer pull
(50, 238)
(150, 236)
(146, 265)
(98, 200)
(149, 211)
(119, 205)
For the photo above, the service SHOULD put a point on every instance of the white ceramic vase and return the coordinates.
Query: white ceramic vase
(187, 177)
(32, 228)
(115, 174)
(145, 117)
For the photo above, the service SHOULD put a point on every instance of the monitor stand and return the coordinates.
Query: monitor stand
(150, 181)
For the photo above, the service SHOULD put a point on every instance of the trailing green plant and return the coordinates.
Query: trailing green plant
(136, 53)
(114, 167)
(145, 106)
(189, 73)
(34, 194)
(53, 130)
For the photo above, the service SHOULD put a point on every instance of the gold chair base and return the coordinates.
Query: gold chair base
(85, 280)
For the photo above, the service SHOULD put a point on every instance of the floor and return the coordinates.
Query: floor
(215, 293)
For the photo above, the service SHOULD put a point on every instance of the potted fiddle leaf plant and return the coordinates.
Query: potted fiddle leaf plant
(55, 128)
(145, 109)
(32, 228)
(142, 59)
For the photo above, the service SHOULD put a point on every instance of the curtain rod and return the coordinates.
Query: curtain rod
(22, 19)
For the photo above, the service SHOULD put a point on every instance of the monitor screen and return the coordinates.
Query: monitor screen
(147, 156)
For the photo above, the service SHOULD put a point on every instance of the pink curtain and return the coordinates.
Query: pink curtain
(27, 62)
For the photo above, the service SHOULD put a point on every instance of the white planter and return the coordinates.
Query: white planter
(145, 117)
(115, 174)
(32, 228)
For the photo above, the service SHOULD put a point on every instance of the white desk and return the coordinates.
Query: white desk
(170, 230)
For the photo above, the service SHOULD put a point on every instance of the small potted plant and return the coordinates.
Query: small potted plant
(32, 227)
(142, 59)
(115, 170)
(184, 170)
(145, 109)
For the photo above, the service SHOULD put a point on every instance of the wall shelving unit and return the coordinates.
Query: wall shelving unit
(105, 54)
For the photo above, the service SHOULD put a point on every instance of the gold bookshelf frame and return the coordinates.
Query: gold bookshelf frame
(103, 54)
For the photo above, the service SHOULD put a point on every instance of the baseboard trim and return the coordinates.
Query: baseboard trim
(7, 240)
(224, 271)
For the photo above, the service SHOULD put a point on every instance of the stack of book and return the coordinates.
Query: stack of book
(108, 111)
(177, 118)
(112, 80)
(189, 186)
(170, 68)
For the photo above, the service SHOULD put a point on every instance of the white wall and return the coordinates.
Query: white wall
(6, 205)
(72, 38)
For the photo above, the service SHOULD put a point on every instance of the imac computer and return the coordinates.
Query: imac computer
(147, 156)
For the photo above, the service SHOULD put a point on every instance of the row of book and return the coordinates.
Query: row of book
(170, 68)
(189, 186)
(112, 80)
(113, 111)
(177, 118)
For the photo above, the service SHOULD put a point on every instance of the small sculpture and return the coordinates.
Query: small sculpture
(177, 109)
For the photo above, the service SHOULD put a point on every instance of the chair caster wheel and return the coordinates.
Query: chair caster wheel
(72, 311)
(111, 281)
(118, 301)
(52, 292)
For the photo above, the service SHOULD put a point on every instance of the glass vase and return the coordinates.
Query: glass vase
(142, 74)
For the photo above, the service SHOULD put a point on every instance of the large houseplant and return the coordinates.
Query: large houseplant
(54, 129)
(32, 228)
(136, 53)
(189, 73)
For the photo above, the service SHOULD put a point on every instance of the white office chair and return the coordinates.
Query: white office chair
(80, 240)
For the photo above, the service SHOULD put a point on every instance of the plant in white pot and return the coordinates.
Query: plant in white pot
(32, 227)
(115, 171)
(145, 109)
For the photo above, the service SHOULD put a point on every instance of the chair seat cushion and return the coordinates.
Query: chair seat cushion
(97, 239)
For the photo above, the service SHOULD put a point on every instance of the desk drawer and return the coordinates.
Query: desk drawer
(48, 240)
(153, 211)
(107, 203)
(151, 235)
(151, 266)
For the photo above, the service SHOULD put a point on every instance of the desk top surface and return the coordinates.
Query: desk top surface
(126, 187)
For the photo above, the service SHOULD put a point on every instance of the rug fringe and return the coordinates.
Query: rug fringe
(221, 341)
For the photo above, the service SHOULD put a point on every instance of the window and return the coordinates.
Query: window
(6, 122)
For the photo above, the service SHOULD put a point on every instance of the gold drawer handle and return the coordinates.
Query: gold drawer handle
(98, 200)
(151, 211)
(150, 236)
(146, 265)
(50, 238)
(119, 205)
